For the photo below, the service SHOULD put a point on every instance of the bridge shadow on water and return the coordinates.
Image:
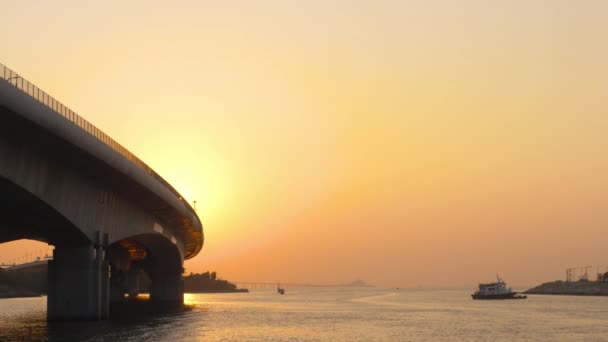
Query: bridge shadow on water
(132, 320)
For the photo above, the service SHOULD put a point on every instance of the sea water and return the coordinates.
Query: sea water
(330, 314)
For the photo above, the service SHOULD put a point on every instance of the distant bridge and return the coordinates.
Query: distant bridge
(108, 214)
(257, 285)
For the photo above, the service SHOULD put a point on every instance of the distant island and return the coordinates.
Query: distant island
(571, 288)
(208, 282)
(356, 283)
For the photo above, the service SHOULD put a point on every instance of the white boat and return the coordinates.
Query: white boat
(497, 290)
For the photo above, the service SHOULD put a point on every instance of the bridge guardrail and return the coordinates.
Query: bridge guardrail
(29, 88)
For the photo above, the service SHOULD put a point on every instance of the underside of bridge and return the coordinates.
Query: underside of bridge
(84, 277)
(23, 216)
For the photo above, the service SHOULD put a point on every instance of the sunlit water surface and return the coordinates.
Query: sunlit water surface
(330, 314)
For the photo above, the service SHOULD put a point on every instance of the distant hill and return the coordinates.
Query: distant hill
(357, 283)
(208, 282)
(571, 288)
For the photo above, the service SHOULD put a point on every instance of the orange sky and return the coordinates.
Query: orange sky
(403, 142)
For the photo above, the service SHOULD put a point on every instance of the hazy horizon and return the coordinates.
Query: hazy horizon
(404, 143)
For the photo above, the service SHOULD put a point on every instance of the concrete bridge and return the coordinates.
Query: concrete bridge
(108, 214)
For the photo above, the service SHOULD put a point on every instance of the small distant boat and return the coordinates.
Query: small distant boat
(280, 290)
(497, 290)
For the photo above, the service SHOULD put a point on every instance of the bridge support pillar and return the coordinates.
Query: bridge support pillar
(104, 283)
(78, 284)
(133, 281)
(167, 289)
(117, 294)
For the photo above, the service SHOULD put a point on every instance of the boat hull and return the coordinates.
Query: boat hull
(511, 295)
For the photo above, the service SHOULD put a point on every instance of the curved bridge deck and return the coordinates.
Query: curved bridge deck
(68, 180)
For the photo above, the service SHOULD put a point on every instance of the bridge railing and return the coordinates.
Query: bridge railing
(27, 87)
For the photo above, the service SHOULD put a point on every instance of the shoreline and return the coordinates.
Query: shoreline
(16, 294)
(569, 294)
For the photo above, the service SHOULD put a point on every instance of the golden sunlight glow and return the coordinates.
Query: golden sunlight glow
(326, 141)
